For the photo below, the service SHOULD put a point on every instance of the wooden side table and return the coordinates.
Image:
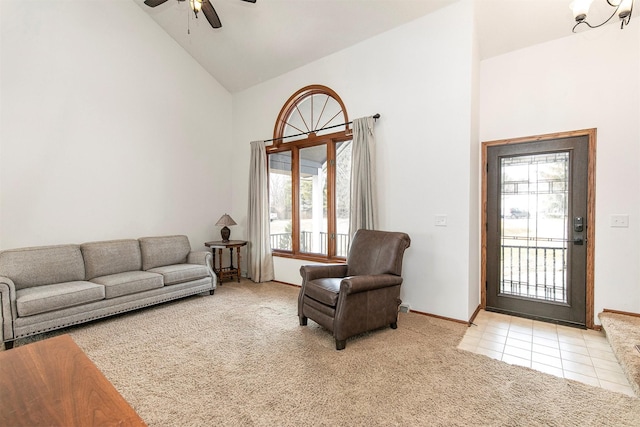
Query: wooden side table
(231, 271)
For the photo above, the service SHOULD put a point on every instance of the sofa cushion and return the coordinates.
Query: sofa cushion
(40, 299)
(43, 265)
(110, 257)
(129, 282)
(163, 250)
(179, 273)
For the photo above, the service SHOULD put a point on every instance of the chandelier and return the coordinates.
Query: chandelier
(623, 9)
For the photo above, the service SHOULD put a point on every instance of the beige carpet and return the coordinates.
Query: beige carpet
(623, 333)
(240, 358)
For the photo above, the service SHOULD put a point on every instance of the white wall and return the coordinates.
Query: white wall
(109, 129)
(475, 183)
(1, 97)
(587, 80)
(420, 78)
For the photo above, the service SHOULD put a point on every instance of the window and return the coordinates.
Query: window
(309, 177)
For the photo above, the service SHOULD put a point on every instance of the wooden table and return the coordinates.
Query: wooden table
(53, 383)
(231, 271)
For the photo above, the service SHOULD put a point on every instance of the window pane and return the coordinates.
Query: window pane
(280, 201)
(343, 194)
(312, 113)
(313, 200)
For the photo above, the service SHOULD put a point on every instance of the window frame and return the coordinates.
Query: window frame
(331, 140)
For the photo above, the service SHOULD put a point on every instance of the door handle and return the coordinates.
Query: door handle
(578, 240)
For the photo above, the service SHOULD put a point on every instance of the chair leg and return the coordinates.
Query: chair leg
(341, 344)
(8, 345)
(303, 321)
(394, 325)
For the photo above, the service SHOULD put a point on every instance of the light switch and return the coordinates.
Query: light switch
(441, 220)
(620, 220)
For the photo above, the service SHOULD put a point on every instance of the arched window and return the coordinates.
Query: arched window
(309, 176)
(313, 109)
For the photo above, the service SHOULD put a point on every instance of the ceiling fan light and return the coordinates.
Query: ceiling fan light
(196, 5)
(580, 9)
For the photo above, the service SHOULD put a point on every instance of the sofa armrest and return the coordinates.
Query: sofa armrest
(355, 284)
(200, 257)
(316, 271)
(203, 258)
(8, 310)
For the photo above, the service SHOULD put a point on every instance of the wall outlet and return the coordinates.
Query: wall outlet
(404, 308)
(441, 220)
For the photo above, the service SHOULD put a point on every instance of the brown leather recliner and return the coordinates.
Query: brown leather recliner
(361, 295)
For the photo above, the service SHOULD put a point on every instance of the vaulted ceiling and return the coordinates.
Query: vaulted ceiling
(263, 40)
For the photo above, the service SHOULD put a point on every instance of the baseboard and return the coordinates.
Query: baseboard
(475, 313)
(286, 283)
(440, 317)
(626, 313)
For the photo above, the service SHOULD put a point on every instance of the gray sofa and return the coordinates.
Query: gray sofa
(51, 287)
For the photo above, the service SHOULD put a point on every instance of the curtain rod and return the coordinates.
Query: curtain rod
(375, 117)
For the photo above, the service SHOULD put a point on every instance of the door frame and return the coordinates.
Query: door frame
(591, 204)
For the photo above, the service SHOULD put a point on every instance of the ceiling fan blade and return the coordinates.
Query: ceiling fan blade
(210, 14)
(250, 1)
(154, 3)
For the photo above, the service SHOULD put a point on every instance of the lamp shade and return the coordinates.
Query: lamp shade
(196, 5)
(625, 8)
(226, 220)
(580, 9)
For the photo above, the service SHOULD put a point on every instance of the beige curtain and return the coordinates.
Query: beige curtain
(259, 259)
(363, 212)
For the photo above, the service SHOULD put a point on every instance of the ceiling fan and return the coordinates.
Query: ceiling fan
(198, 5)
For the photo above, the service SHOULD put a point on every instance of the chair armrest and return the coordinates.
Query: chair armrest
(317, 271)
(8, 310)
(355, 284)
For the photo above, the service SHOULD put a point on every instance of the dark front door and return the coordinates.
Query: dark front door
(536, 236)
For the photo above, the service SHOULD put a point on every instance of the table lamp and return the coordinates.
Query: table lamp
(225, 220)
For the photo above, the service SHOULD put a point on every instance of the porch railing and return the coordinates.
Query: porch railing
(284, 242)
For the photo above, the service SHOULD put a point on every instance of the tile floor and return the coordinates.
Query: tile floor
(581, 355)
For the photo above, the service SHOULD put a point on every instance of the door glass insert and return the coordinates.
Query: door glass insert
(534, 234)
